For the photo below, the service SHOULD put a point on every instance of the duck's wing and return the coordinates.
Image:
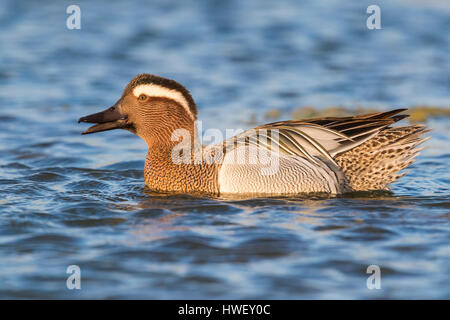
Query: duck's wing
(323, 137)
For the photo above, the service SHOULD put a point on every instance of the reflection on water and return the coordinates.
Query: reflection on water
(67, 199)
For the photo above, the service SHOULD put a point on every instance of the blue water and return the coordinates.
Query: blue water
(67, 199)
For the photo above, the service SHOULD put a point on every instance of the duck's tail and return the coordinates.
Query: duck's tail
(377, 162)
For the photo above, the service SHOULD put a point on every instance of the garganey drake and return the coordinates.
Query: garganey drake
(332, 155)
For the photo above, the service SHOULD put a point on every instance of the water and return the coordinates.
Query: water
(67, 199)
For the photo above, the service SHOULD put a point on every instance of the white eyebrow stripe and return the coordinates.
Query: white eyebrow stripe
(153, 90)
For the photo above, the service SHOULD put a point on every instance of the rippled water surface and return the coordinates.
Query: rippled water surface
(67, 199)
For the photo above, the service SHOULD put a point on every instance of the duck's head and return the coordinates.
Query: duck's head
(151, 107)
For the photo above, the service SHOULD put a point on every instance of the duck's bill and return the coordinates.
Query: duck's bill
(109, 119)
(120, 124)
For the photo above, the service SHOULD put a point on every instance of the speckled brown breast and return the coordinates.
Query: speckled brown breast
(161, 174)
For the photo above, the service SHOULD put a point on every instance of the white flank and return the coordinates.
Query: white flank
(293, 174)
(153, 90)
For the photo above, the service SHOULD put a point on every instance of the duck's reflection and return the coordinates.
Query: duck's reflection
(160, 215)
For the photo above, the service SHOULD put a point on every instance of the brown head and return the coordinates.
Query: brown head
(151, 107)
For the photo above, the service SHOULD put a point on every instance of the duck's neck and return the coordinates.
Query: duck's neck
(165, 173)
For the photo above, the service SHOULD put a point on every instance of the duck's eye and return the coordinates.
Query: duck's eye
(142, 97)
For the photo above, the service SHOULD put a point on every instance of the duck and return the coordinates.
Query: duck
(332, 155)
